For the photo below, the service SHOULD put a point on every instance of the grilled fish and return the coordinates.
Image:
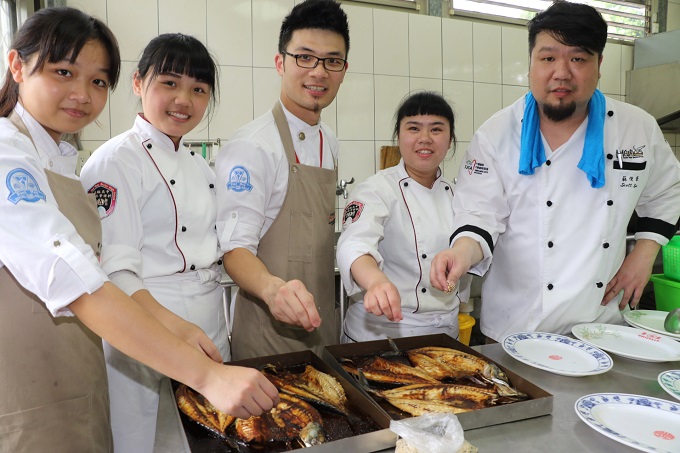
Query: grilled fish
(312, 386)
(285, 422)
(389, 372)
(422, 398)
(451, 363)
(200, 410)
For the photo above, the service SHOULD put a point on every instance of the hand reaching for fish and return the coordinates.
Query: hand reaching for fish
(239, 391)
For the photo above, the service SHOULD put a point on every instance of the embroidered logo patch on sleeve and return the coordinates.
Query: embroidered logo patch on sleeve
(23, 186)
(106, 198)
(352, 212)
(239, 180)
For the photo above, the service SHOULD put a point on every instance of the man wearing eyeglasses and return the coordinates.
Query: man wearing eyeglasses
(276, 181)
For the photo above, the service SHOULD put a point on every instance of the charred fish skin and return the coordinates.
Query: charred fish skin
(199, 409)
(421, 398)
(313, 386)
(282, 423)
(390, 372)
(447, 362)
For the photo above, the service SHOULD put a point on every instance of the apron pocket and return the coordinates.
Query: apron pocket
(300, 236)
(63, 426)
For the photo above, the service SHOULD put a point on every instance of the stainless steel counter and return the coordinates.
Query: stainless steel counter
(562, 431)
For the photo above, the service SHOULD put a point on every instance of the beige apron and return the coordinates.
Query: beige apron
(52, 372)
(298, 245)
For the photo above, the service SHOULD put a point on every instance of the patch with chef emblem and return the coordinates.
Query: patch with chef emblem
(478, 168)
(352, 212)
(239, 180)
(23, 187)
(106, 198)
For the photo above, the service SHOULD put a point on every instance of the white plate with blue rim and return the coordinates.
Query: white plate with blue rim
(642, 422)
(557, 354)
(629, 342)
(670, 382)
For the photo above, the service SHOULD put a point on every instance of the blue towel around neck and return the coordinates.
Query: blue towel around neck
(532, 153)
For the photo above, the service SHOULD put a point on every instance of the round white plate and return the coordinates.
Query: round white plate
(641, 422)
(629, 342)
(670, 382)
(650, 320)
(557, 353)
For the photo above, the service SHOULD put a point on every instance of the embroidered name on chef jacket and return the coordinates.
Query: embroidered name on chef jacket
(106, 198)
(239, 180)
(352, 212)
(23, 187)
(478, 168)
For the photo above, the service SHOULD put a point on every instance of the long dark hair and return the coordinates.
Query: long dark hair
(179, 54)
(57, 34)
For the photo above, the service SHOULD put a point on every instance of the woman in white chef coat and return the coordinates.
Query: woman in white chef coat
(61, 66)
(157, 203)
(393, 225)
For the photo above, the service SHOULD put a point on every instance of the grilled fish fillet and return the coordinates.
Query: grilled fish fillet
(390, 372)
(451, 363)
(282, 423)
(421, 398)
(312, 386)
(200, 410)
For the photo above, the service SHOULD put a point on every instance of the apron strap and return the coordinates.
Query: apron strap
(18, 122)
(284, 131)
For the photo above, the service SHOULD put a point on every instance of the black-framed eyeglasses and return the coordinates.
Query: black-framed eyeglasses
(333, 64)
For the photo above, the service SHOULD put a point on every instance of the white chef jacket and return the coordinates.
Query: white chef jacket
(252, 175)
(162, 221)
(402, 225)
(39, 246)
(558, 241)
(158, 215)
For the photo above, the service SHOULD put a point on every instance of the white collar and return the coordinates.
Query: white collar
(44, 143)
(296, 125)
(149, 132)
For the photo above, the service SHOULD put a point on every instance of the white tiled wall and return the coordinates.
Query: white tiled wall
(480, 67)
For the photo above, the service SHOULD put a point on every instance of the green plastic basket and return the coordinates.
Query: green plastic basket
(666, 292)
(671, 258)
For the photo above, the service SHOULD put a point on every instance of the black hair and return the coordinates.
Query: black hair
(425, 103)
(57, 34)
(321, 14)
(572, 24)
(179, 54)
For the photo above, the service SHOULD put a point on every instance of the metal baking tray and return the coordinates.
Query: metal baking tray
(374, 420)
(539, 403)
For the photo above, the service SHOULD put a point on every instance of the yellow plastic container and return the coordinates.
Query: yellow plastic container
(465, 324)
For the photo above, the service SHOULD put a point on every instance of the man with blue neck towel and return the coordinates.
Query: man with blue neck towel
(548, 187)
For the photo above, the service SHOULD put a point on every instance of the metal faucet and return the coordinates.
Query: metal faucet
(341, 189)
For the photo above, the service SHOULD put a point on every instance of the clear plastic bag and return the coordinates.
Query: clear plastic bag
(431, 433)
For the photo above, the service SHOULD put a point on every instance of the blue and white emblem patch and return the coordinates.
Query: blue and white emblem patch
(23, 186)
(239, 180)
